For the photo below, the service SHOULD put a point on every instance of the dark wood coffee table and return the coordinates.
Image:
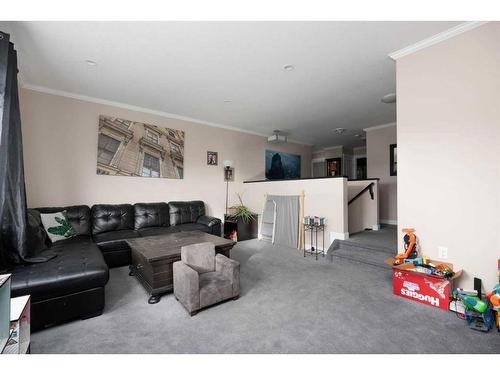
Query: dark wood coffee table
(152, 258)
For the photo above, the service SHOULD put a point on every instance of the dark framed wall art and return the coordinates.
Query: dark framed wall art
(212, 158)
(393, 160)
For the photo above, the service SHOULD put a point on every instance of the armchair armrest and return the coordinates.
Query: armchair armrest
(213, 223)
(230, 269)
(186, 286)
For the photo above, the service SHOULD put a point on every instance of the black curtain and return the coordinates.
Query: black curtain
(15, 246)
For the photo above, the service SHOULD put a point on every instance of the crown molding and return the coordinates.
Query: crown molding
(130, 107)
(332, 147)
(376, 127)
(450, 33)
(358, 147)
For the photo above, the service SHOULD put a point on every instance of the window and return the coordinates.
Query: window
(106, 149)
(152, 136)
(180, 172)
(175, 148)
(150, 166)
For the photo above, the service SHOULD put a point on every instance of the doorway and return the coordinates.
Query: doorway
(361, 168)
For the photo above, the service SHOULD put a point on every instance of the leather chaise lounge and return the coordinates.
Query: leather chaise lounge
(71, 285)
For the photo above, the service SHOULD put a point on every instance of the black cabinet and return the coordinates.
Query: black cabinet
(239, 230)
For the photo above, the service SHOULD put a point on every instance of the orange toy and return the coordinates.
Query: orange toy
(410, 246)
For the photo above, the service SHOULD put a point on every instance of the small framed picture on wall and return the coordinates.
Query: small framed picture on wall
(393, 160)
(212, 158)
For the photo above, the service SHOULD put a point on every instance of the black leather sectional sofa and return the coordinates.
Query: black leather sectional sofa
(71, 284)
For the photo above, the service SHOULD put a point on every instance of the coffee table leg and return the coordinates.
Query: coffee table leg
(154, 299)
(131, 271)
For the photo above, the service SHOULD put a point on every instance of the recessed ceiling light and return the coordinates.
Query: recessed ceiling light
(289, 67)
(389, 98)
(91, 62)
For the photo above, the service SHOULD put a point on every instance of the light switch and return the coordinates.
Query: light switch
(442, 252)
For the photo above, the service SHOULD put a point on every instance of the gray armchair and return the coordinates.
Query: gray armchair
(202, 278)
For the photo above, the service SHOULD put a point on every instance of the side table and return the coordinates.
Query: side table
(20, 321)
(315, 229)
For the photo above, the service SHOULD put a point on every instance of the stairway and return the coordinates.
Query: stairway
(359, 252)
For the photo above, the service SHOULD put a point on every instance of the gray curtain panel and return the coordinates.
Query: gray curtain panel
(16, 246)
(287, 219)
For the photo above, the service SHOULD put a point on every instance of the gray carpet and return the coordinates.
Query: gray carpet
(288, 304)
(385, 238)
(368, 247)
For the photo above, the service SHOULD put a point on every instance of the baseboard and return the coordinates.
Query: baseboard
(388, 222)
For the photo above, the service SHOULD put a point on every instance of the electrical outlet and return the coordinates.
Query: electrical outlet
(442, 252)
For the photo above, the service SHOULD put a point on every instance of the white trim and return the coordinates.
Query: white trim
(376, 227)
(130, 107)
(331, 148)
(318, 160)
(450, 33)
(376, 127)
(338, 236)
(358, 148)
(389, 222)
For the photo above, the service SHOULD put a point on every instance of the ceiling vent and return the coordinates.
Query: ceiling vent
(277, 137)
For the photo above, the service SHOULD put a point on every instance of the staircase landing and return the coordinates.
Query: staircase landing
(368, 247)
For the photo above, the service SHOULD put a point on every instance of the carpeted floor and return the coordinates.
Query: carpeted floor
(288, 304)
(368, 247)
(386, 237)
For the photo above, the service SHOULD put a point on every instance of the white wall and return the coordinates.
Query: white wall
(378, 140)
(326, 197)
(448, 140)
(60, 155)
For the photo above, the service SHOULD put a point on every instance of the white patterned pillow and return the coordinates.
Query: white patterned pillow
(57, 226)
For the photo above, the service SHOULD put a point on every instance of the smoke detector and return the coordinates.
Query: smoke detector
(277, 137)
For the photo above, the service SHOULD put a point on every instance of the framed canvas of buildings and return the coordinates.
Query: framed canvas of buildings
(128, 148)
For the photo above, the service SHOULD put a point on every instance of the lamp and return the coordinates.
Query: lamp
(228, 176)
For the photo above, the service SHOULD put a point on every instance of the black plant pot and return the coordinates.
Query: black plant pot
(245, 230)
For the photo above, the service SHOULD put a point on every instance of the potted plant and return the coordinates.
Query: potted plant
(245, 219)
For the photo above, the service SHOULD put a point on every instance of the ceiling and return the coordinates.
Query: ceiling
(341, 70)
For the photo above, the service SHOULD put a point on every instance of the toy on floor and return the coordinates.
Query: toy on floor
(494, 298)
(477, 313)
(410, 246)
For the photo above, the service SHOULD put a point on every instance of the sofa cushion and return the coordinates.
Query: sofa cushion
(214, 288)
(57, 226)
(151, 215)
(119, 235)
(78, 266)
(157, 231)
(185, 212)
(112, 217)
(192, 226)
(78, 216)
